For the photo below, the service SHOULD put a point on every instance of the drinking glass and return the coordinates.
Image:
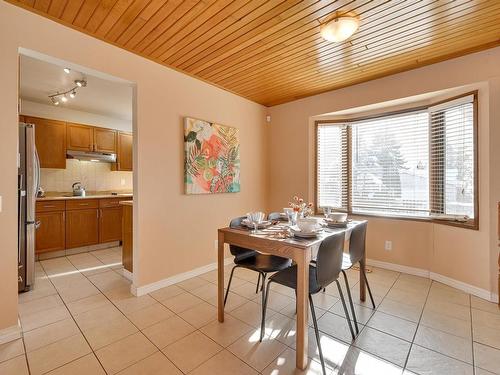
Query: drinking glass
(256, 218)
(327, 211)
(292, 217)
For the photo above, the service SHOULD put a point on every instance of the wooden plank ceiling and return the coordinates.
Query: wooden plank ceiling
(271, 51)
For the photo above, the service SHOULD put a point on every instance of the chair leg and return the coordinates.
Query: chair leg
(258, 283)
(316, 332)
(368, 286)
(345, 309)
(229, 284)
(264, 275)
(350, 302)
(265, 296)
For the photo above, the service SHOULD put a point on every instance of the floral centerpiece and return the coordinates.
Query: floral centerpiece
(302, 208)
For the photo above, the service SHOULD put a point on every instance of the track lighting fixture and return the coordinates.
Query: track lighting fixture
(63, 96)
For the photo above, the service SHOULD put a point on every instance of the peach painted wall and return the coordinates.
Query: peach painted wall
(464, 255)
(174, 233)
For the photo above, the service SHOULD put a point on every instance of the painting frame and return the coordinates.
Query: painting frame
(211, 157)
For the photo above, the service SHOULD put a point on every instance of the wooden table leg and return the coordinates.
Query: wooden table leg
(302, 307)
(362, 283)
(220, 277)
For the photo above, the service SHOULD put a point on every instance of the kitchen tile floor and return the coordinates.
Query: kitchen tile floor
(82, 319)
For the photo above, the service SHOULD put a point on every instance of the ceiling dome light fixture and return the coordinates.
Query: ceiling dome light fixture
(63, 96)
(67, 70)
(339, 29)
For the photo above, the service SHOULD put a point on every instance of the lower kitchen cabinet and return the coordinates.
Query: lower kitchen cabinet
(50, 235)
(82, 228)
(110, 224)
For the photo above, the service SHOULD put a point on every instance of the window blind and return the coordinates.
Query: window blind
(390, 165)
(452, 158)
(332, 166)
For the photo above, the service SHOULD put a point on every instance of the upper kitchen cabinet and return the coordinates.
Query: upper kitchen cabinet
(124, 156)
(50, 140)
(105, 140)
(79, 137)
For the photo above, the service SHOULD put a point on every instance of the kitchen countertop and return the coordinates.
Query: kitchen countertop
(52, 196)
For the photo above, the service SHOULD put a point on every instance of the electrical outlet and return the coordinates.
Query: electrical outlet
(388, 245)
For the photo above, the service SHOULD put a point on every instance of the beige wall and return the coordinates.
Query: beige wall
(174, 233)
(464, 255)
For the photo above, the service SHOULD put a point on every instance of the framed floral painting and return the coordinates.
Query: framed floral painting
(212, 157)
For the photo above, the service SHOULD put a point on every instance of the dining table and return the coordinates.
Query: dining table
(274, 240)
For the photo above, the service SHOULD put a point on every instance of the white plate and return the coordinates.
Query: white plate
(301, 234)
(249, 224)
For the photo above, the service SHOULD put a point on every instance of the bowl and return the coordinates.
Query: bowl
(338, 217)
(307, 224)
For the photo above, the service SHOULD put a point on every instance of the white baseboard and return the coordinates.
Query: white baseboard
(128, 275)
(148, 288)
(471, 289)
(398, 268)
(10, 334)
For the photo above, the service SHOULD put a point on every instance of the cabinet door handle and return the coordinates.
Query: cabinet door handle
(49, 206)
(83, 204)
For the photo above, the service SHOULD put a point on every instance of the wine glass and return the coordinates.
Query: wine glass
(256, 218)
(292, 217)
(327, 210)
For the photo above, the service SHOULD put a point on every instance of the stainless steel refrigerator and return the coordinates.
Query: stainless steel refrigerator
(28, 178)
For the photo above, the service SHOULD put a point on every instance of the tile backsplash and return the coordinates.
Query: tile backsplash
(93, 176)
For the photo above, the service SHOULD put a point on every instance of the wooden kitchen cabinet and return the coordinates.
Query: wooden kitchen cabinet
(124, 156)
(82, 227)
(50, 235)
(50, 140)
(105, 140)
(110, 224)
(79, 137)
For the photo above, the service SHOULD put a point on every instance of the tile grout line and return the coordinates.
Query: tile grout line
(73, 318)
(472, 337)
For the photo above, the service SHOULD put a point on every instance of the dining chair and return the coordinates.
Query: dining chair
(254, 261)
(325, 271)
(276, 216)
(356, 254)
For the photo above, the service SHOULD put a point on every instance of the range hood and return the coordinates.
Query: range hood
(91, 156)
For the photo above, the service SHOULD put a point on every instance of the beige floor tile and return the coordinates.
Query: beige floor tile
(11, 349)
(257, 354)
(149, 315)
(166, 293)
(86, 365)
(224, 363)
(42, 288)
(155, 364)
(108, 280)
(182, 302)
(359, 362)
(453, 346)
(487, 358)
(482, 304)
(40, 304)
(124, 353)
(363, 314)
(192, 283)
(383, 345)
(284, 364)
(367, 302)
(324, 301)
(246, 290)
(96, 317)
(401, 310)
(168, 331)
(404, 329)
(446, 323)
(191, 351)
(487, 335)
(206, 292)
(232, 303)
(251, 313)
(200, 315)
(399, 295)
(336, 326)
(480, 371)
(449, 309)
(78, 292)
(88, 303)
(108, 331)
(449, 295)
(424, 361)
(276, 301)
(42, 318)
(485, 318)
(133, 303)
(228, 332)
(14, 366)
(57, 354)
(280, 327)
(291, 309)
(49, 334)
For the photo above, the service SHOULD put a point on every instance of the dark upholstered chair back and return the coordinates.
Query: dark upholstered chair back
(238, 252)
(357, 242)
(329, 260)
